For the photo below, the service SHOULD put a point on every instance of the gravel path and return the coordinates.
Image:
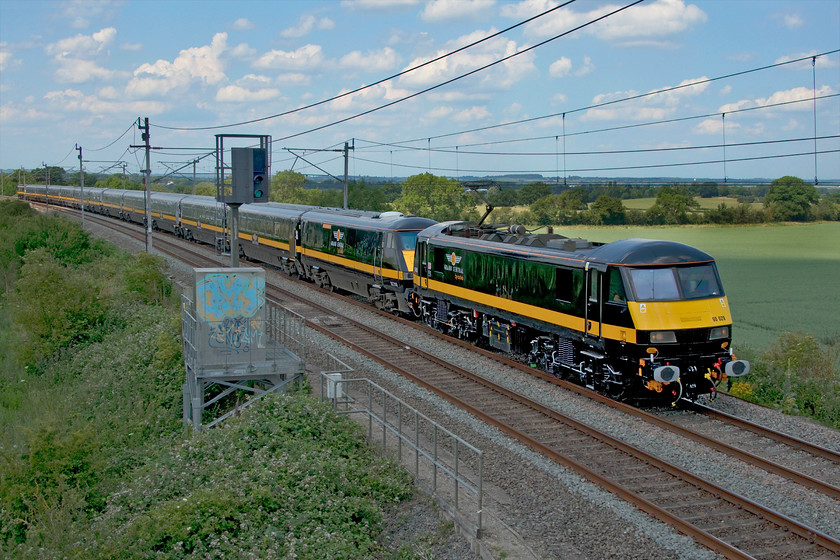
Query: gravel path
(537, 509)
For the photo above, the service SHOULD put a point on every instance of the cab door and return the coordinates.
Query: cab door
(421, 259)
(594, 302)
(379, 255)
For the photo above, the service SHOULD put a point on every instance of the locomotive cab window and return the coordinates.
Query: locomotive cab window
(616, 294)
(409, 240)
(671, 284)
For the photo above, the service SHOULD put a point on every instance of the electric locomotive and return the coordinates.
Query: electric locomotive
(635, 318)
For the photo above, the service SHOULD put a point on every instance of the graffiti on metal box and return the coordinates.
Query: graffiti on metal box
(229, 295)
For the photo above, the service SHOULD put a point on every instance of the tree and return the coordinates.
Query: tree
(790, 199)
(502, 197)
(607, 210)
(531, 193)
(287, 186)
(364, 197)
(672, 205)
(116, 182)
(558, 208)
(431, 196)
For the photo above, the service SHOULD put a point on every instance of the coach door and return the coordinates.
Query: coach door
(594, 302)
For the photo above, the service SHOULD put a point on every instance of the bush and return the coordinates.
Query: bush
(53, 305)
(796, 375)
(288, 478)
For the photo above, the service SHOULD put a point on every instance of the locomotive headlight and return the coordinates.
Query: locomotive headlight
(737, 368)
(663, 336)
(718, 332)
(666, 374)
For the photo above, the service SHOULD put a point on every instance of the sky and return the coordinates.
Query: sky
(704, 89)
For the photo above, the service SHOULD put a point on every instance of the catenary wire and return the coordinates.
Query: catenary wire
(362, 88)
(461, 76)
(615, 101)
(593, 169)
(449, 149)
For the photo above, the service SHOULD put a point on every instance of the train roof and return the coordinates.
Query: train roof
(514, 240)
(367, 220)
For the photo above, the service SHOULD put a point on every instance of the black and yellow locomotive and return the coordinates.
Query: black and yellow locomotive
(634, 318)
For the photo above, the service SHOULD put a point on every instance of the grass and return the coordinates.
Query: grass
(778, 278)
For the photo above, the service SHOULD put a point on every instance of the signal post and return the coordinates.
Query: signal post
(250, 173)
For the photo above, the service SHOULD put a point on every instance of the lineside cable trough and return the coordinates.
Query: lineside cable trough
(233, 341)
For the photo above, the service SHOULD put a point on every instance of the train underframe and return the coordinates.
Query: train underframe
(619, 370)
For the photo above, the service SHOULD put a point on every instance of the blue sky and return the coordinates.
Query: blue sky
(82, 72)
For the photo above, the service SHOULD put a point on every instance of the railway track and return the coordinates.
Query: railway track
(723, 521)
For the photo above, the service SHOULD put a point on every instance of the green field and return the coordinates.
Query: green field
(705, 203)
(778, 278)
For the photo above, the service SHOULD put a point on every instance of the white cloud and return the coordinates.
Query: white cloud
(242, 50)
(472, 114)
(379, 5)
(80, 13)
(368, 98)
(792, 124)
(372, 61)
(501, 76)
(714, 127)
(792, 21)
(656, 19)
(440, 112)
(194, 64)
(306, 57)
(243, 24)
(74, 55)
(657, 105)
(253, 79)
(75, 100)
(293, 79)
(131, 47)
(450, 10)
(586, 68)
(78, 71)
(82, 45)
(5, 58)
(560, 67)
(305, 25)
(820, 61)
(785, 96)
(240, 94)
(11, 112)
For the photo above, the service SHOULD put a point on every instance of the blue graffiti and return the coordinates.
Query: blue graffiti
(229, 295)
(232, 336)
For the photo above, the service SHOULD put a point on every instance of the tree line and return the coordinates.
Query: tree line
(538, 204)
